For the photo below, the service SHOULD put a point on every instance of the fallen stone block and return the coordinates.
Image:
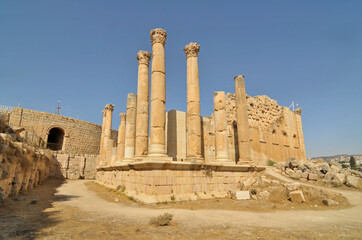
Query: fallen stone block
(241, 195)
(297, 196)
(304, 175)
(330, 202)
(352, 181)
(313, 176)
(264, 194)
(292, 186)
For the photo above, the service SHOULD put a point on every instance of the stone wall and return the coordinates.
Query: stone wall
(80, 137)
(154, 182)
(22, 166)
(275, 132)
(75, 166)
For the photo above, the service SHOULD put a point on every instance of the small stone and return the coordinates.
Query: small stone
(250, 181)
(295, 175)
(264, 194)
(289, 171)
(275, 182)
(330, 202)
(297, 196)
(352, 181)
(20, 198)
(313, 176)
(304, 175)
(242, 195)
(292, 186)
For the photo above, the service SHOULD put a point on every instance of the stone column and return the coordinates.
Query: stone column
(221, 135)
(242, 121)
(100, 157)
(141, 147)
(121, 137)
(193, 118)
(107, 150)
(158, 94)
(130, 127)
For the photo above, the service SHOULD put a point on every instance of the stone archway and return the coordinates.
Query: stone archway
(55, 139)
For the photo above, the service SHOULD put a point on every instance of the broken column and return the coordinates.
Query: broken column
(158, 94)
(221, 136)
(141, 147)
(242, 121)
(100, 158)
(130, 127)
(108, 143)
(193, 118)
(121, 137)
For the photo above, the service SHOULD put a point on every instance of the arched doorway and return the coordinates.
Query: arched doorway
(55, 139)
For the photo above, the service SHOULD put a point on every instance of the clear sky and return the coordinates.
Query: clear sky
(83, 53)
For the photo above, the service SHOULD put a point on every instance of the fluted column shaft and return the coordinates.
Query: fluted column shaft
(221, 135)
(158, 94)
(107, 150)
(121, 137)
(193, 118)
(101, 147)
(130, 126)
(141, 147)
(242, 120)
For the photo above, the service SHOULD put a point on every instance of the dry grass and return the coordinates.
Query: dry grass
(162, 220)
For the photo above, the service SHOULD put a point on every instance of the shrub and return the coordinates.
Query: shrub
(161, 220)
(253, 192)
(270, 162)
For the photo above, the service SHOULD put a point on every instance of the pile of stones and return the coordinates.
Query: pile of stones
(329, 173)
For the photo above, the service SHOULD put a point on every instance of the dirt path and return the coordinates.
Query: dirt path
(89, 201)
(70, 210)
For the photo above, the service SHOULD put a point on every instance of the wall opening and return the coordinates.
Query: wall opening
(55, 139)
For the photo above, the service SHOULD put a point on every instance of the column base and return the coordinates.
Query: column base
(158, 158)
(157, 150)
(195, 159)
(244, 162)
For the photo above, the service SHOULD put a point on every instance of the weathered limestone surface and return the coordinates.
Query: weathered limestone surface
(121, 137)
(130, 127)
(221, 136)
(242, 121)
(101, 151)
(80, 137)
(176, 135)
(153, 182)
(77, 166)
(141, 148)
(23, 167)
(193, 116)
(158, 94)
(108, 141)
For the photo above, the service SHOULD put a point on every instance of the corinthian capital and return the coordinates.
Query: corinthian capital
(143, 57)
(158, 35)
(109, 107)
(192, 50)
(123, 117)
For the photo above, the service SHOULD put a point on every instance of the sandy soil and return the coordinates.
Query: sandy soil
(83, 210)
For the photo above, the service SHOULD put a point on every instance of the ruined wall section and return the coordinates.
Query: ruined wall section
(77, 166)
(81, 137)
(23, 167)
(275, 131)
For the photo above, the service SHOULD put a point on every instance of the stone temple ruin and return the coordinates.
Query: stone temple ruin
(186, 156)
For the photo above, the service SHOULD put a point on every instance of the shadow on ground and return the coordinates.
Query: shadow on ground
(23, 216)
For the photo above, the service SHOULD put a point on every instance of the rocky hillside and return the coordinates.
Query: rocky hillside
(22, 166)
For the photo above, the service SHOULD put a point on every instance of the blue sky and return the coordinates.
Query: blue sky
(83, 53)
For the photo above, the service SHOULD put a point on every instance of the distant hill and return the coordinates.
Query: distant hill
(342, 158)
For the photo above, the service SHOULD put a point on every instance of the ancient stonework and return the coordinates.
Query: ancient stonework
(189, 157)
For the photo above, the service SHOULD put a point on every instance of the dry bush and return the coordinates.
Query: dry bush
(162, 220)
